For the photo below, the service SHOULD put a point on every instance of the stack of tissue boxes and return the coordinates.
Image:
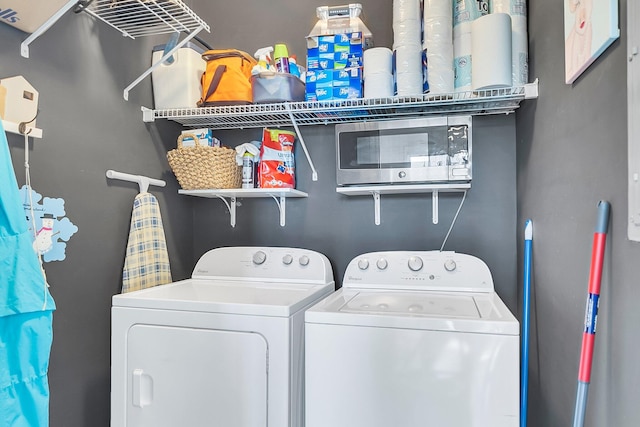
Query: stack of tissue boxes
(335, 49)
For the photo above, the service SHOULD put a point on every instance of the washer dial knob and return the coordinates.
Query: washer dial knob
(450, 265)
(363, 264)
(287, 259)
(259, 258)
(382, 264)
(415, 263)
(304, 260)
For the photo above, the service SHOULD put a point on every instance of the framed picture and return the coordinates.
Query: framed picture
(590, 26)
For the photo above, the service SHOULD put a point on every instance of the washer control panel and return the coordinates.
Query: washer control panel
(420, 270)
(264, 263)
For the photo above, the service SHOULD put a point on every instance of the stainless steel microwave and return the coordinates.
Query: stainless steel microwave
(420, 150)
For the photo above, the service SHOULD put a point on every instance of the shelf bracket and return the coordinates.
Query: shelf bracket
(434, 206)
(164, 58)
(314, 173)
(24, 47)
(281, 208)
(231, 207)
(376, 207)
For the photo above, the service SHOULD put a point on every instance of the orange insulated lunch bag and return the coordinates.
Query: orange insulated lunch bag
(227, 78)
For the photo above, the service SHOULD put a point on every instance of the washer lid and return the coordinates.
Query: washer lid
(213, 296)
(437, 311)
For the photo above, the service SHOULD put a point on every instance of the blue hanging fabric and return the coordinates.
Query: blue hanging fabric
(26, 312)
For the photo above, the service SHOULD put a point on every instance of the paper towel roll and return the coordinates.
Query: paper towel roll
(462, 28)
(409, 84)
(407, 59)
(406, 10)
(378, 85)
(377, 60)
(441, 80)
(407, 32)
(436, 29)
(437, 8)
(519, 23)
(512, 7)
(491, 51)
(462, 63)
(519, 58)
(468, 10)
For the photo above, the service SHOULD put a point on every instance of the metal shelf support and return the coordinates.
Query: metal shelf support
(24, 47)
(314, 173)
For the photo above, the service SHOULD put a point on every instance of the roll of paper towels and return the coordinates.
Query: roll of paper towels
(406, 10)
(409, 84)
(512, 7)
(519, 58)
(437, 8)
(462, 63)
(491, 52)
(377, 60)
(438, 29)
(407, 59)
(378, 85)
(468, 10)
(519, 23)
(407, 33)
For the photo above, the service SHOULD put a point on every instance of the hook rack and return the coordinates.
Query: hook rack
(142, 181)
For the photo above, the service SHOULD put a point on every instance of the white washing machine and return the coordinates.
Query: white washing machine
(412, 339)
(224, 348)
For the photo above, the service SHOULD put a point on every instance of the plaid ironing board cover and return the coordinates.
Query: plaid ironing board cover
(147, 261)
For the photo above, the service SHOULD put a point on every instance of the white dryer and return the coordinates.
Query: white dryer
(223, 348)
(412, 339)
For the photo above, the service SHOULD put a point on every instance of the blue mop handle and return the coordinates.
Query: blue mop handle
(528, 244)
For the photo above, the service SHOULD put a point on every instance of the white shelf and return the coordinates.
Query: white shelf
(135, 18)
(15, 128)
(138, 18)
(278, 194)
(377, 190)
(495, 101)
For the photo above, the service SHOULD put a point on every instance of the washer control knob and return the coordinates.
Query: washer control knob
(363, 264)
(415, 263)
(382, 264)
(304, 260)
(287, 259)
(450, 265)
(259, 258)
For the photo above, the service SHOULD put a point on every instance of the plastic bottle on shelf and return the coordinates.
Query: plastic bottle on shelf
(281, 58)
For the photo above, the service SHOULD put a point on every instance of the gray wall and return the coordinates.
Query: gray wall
(572, 152)
(80, 68)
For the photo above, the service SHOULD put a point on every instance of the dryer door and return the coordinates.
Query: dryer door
(195, 377)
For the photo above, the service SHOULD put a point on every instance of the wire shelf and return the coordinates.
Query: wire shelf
(137, 18)
(494, 101)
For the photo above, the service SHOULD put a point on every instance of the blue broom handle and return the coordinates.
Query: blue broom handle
(528, 244)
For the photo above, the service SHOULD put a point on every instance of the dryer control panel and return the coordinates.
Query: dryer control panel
(419, 270)
(260, 263)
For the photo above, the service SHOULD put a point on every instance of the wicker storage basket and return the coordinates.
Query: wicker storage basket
(202, 167)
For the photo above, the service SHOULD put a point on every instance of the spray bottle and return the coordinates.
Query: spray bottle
(263, 55)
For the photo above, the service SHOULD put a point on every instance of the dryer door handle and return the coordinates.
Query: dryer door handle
(142, 389)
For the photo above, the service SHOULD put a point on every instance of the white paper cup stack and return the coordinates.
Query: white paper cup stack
(491, 52)
(438, 46)
(407, 48)
(377, 71)
(517, 9)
